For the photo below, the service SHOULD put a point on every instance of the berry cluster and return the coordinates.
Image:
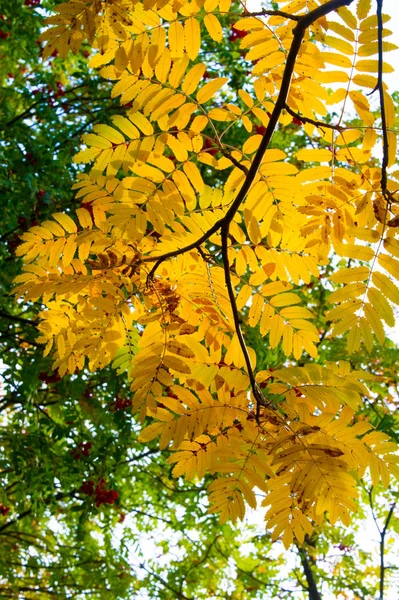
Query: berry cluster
(101, 495)
(120, 404)
(4, 510)
(32, 2)
(82, 449)
(87, 488)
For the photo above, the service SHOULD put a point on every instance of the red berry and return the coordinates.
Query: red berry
(260, 129)
(87, 488)
(4, 510)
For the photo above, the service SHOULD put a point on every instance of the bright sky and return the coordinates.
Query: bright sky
(391, 7)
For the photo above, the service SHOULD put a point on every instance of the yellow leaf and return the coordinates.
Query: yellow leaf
(389, 264)
(313, 155)
(210, 89)
(66, 222)
(213, 26)
(174, 363)
(192, 37)
(109, 133)
(338, 44)
(151, 432)
(253, 228)
(363, 8)
(375, 322)
(382, 306)
(349, 291)
(255, 310)
(341, 30)
(163, 66)
(177, 72)
(337, 59)
(371, 66)
(126, 126)
(141, 122)
(193, 78)
(348, 17)
(387, 287)
(96, 141)
(276, 330)
(252, 144)
(243, 296)
(180, 349)
(84, 218)
(176, 39)
(349, 275)
(194, 176)
(248, 24)
(343, 310)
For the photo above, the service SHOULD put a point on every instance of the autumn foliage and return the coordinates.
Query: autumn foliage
(183, 243)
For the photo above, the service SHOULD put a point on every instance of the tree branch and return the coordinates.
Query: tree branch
(273, 13)
(165, 583)
(17, 319)
(319, 124)
(299, 33)
(383, 533)
(223, 224)
(312, 587)
(380, 87)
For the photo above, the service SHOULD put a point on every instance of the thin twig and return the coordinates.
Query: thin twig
(273, 13)
(235, 162)
(319, 124)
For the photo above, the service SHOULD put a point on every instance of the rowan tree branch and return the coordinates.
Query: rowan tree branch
(319, 124)
(273, 13)
(223, 224)
(299, 33)
(313, 592)
(383, 533)
(380, 87)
